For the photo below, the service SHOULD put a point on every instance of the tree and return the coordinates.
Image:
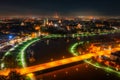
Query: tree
(13, 75)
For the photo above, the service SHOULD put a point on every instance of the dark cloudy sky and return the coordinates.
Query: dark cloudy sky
(63, 7)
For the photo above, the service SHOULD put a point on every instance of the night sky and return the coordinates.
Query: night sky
(62, 7)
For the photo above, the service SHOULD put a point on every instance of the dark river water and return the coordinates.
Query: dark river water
(47, 50)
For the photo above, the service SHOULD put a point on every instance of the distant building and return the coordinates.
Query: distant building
(56, 16)
(46, 21)
(22, 24)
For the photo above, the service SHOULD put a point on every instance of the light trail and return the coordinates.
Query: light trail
(22, 56)
(13, 48)
(73, 48)
(57, 63)
(22, 52)
(98, 65)
(52, 64)
(107, 69)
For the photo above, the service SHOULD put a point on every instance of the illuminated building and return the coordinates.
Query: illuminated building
(22, 24)
(56, 16)
(79, 26)
(46, 21)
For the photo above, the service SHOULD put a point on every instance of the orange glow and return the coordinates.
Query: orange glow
(93, 52)
(37, 28)
(30, 75)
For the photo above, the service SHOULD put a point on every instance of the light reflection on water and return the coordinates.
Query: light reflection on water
(79, 72)
(54, 49)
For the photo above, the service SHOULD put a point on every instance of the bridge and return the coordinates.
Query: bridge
(61, 62)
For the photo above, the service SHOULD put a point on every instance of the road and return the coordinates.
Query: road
(57, 63)
(61, 62)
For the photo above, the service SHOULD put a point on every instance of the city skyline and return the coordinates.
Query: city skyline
(63, 7)
(59, 47)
